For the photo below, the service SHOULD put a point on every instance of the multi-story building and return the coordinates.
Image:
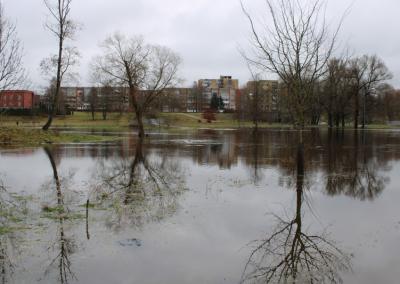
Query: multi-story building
(260, 100)
(225, 88)
(174, 100)
(195, 99)
(81, 98)
(267, 92)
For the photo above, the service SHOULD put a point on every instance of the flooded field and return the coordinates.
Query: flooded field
(204, 207)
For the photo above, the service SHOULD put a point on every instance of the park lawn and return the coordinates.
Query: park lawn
(223, 120)
(121, 122)
(116, 121)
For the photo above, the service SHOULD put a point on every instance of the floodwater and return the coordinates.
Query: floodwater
(204, 207)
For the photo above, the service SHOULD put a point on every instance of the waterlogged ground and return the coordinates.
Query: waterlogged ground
(204, 207)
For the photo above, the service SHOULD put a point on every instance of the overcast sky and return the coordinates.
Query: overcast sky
(206, 33)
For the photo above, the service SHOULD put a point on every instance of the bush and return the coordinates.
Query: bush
(209, 115)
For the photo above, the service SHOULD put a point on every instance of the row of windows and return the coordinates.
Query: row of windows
(9, 104)
(14, 97)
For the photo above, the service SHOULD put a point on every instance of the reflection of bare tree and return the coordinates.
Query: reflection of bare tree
(11, 214)
(140, 189)
(65, 245)
(256, 176)
(350, 174)
(290, 254)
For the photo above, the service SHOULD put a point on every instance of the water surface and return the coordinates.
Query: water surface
(204, 207)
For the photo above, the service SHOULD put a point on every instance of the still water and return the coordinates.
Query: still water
(204, 207)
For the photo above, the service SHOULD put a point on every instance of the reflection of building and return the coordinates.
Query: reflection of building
(17, 100)
(225, 87)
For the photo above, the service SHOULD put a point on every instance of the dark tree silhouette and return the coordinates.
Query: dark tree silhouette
(290, 254)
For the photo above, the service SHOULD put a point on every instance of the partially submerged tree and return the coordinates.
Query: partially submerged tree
(146, 70)
(63, 28)
(296, 46)
(12, 72)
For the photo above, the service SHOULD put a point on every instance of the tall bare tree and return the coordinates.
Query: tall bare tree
(12, 72)
(146, 70)
(63, 28)
(336, 91)
(296, 46)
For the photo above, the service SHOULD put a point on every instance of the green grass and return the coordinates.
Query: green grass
(223, 120)
(120, 122)
(17, 136)
(381, 126)
(5, 230)
(77, 120)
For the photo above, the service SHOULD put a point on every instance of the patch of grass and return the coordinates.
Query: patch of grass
(5, 230)
(68, 216)
(55, 209)
(32, 137)
(381, 126)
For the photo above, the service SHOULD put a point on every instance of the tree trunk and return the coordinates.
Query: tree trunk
(337, 120)
(356, 110)
(343, 121)
(139, 118)
(53, 110)
(330, 120)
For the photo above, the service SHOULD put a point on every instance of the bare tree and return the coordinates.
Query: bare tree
(12, 72)
(106, 99)
(146, 70)
(367, 73)
(296, 47)
(63, 28)
(336, 91)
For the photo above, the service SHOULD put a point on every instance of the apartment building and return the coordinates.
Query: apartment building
(225, 87)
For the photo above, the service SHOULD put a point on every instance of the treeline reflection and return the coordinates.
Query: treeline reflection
(349, 163)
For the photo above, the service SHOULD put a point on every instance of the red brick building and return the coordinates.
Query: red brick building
(17, 100)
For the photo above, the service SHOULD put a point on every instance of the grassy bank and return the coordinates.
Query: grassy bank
(17, 136)
(116, 121)
(77, 120)
(121, 122)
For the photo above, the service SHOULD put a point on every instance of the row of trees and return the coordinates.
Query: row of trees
(298, 47)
